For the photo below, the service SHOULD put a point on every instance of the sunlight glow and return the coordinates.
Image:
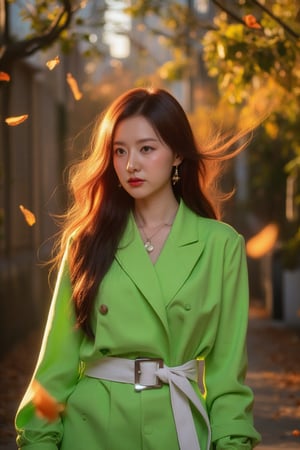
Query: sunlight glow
(117, 25)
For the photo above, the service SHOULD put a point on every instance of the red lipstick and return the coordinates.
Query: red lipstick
(135, 182)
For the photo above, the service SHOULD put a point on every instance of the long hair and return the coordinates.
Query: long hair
(99, 211)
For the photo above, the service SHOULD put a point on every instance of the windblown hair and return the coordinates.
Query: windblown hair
(99, 211)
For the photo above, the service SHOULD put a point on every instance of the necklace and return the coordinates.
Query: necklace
(148, 243)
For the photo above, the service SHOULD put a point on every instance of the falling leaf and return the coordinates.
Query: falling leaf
(45, 405)
(262, 242)
(28, 215)
(74, 86)
(251, 21)
(52, 63)
(4, 76)
(16, 120)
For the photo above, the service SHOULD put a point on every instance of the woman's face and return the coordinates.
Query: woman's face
(142, 161)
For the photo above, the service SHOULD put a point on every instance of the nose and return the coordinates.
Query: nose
(132, 165)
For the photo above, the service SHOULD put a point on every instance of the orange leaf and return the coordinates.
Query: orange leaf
(16, 120)
(296, 433)
(52, 63)
(4, 76)
(28, 215)
(262, 242)
(251, 21)
(45, 405)
(74, 86)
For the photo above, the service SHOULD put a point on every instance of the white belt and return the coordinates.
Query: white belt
(151, 373)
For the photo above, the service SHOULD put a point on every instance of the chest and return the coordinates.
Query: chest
(147, 317)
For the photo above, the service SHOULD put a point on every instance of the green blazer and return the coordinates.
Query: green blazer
(192, 303)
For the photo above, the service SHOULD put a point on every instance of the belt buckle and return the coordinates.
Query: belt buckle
(138, 387)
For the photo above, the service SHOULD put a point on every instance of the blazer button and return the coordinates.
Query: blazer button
(103, 309)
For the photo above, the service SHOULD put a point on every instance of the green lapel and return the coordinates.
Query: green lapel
(135, 261)
(181, 252)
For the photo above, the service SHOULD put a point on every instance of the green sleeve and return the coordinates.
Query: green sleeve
(229, 400)
(57, 369)
(234, 443)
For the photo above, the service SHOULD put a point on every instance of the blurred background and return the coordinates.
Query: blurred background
(231, 64)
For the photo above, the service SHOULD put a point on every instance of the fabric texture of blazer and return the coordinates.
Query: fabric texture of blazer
(191, 304)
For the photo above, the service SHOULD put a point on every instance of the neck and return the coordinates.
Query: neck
(153, 215)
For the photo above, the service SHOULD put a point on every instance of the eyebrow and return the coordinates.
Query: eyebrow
(139, 141)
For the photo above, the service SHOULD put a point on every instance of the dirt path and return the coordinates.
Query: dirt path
(274, 375)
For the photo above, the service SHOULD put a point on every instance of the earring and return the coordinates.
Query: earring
(175, 177)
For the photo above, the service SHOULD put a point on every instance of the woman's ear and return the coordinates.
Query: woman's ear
(177, 160)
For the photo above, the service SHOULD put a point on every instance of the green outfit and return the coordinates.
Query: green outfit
(192, 303)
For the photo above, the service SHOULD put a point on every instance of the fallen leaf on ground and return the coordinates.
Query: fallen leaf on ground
(28, 215)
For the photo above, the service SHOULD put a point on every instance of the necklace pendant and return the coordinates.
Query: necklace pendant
(149, 246)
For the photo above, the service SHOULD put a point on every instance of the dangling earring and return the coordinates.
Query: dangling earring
(175, 177)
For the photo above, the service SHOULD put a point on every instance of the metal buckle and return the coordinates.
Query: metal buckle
(138, 372)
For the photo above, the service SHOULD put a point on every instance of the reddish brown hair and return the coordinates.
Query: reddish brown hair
(100, 209)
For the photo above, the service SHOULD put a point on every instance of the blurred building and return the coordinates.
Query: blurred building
(32, 161)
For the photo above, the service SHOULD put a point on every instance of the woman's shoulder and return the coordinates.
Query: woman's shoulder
(207, 227)
(214, 228)
(218, 226)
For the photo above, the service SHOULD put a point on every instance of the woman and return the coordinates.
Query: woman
(151, 287)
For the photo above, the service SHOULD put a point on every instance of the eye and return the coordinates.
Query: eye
(146, 149)
(119, 151)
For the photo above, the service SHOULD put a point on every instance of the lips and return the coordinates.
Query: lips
(135, 182)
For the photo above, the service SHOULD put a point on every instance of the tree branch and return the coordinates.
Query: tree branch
(227, 11)
(26, 47)
(288, 29)
(277, 19)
